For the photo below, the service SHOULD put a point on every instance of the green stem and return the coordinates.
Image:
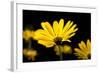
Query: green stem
(29, 43)
(60, 52)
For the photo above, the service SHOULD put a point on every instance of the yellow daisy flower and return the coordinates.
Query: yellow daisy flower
(27, 34)
(85, 50)
(64, 49)
(30, 54)
(52, 35)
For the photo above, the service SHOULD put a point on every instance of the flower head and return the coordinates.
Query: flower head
(84, 50)
(30, 54)
(64, 49)
(27, 34)
(56, 34)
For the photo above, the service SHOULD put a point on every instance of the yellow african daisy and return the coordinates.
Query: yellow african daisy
(84, 50)
(30, 54)
(27, 34)
(56, 34)
(64, 49)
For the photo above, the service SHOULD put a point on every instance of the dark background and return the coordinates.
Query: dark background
(32, 20)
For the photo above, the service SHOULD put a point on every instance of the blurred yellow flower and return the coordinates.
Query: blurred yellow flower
(27, 34)
(52, 35)
(64, 49)
(30, 53)
(85, 50)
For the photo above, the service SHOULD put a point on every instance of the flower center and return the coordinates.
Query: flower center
(57, 40)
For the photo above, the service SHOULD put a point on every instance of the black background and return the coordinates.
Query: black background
(32, 20)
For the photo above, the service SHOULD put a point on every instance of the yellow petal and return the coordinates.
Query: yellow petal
(89, 45)
(67, 26)
(75, 30)
(42, 34)
(46, 26)
(80, 56)
(61, 24)
(46, 43)
(68, 40)
(71, 30)
(82, 49)
(83, 45)
(43, 37)
(69, 33)
(55, 28)
(67, 37)
(72, 35)
(80, 52)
